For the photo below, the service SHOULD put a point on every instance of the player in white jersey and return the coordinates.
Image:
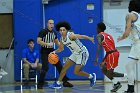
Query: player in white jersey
(79, 54)
(132, 29)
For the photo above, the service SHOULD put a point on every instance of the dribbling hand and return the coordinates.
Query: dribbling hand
(92, 39)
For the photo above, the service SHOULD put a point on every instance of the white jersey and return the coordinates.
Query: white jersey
(135, 33)
(75, 46)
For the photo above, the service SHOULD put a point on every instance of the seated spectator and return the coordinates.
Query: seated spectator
(30, 58)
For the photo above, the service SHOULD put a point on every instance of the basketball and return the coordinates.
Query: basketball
(53, 58)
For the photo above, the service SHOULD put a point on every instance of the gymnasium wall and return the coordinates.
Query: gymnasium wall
(28, 21)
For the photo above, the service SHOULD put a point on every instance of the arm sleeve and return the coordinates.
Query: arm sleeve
(40, 34)
(55, 35)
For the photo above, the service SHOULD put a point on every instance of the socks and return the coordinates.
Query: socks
(90, 76)
(58, 82)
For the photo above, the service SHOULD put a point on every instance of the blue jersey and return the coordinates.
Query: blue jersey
(31, 56)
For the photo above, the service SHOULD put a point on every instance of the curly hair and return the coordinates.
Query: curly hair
(134, 5)
(63, 24)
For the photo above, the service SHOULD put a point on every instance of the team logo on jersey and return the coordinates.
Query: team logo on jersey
(68, 44)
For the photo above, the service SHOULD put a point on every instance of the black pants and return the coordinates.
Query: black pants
(45, 67)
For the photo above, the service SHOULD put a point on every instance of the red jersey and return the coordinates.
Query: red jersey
(108, 42)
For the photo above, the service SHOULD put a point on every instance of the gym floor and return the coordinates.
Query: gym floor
(79, 87)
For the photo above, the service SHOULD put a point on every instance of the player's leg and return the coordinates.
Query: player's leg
(67, 65)
(81, 60)
(130, 68)
(78, 71)
(116, 85)
(65, 79)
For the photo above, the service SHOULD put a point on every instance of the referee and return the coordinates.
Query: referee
(46, 39)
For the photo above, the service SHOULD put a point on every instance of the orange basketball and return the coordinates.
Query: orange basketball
(53, 58)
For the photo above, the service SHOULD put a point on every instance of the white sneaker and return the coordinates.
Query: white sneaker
(0, 77)
(2, 72)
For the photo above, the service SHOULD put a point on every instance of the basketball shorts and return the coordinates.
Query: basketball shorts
(80, 58)
(112, 60)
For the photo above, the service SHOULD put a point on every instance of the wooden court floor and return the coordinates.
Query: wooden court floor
(79, 87)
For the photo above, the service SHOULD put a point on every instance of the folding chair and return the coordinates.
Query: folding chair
(31, 72)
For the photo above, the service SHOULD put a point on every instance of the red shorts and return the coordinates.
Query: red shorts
(112, 60)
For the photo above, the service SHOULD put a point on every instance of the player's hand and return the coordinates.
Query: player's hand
(119, 39)
(92, 39)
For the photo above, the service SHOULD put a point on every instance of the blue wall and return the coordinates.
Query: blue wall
(27, 24)
(74, 11)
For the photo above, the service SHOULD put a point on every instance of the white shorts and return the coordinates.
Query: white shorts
(80, 58)
(135, 52)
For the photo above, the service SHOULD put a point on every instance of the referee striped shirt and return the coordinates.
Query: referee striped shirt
(48, 37)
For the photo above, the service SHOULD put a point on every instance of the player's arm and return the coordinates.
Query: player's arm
(129, 20)
(100, 38)
(56, 41)
(75, 36)
(60, 48)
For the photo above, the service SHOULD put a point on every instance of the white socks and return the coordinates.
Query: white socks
(90, 76)
(58, 82)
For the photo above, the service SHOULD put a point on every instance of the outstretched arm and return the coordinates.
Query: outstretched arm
(75, 36)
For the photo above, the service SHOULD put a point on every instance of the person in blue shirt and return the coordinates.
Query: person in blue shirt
(30, 58)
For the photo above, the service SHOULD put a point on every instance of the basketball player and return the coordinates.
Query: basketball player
(110, 61)
(133, 29)
(79, 54)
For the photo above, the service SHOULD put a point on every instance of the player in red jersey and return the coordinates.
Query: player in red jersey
(110, 61)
